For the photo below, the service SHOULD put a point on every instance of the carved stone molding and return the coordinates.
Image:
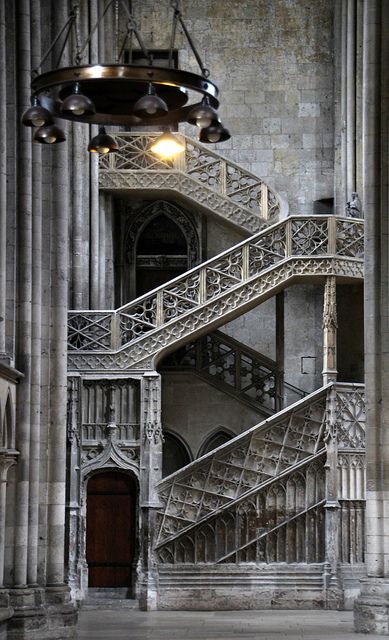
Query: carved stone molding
(200, 174)
(214, 313)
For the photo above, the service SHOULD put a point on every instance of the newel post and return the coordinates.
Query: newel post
(332, 586)
(150, 474)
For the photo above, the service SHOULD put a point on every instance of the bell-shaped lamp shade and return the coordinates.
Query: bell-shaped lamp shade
(150, 105)
(36, 116)
(103, 143)
(214, 133)
(77, 104)
(49, 134)
(203, 115)
(167, 146)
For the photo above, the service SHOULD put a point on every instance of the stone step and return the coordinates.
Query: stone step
(109, 604)
(109, 593)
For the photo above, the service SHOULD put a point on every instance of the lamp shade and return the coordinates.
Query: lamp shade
(150, 105)
(36, 116)
(77, 104)
(49, 134)
(214, 133)
(203, 115)
(103, 143)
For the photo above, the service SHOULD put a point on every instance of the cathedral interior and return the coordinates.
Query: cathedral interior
(194, 349)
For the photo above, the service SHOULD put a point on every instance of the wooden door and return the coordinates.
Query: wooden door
(110, 529)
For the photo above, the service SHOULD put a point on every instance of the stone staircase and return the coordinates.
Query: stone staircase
(199, 175)
(108, 599)
(265, 508)
(261, 501)
(236, 369)
(206, 297)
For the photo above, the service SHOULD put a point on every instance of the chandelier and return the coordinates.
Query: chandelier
(123, 93)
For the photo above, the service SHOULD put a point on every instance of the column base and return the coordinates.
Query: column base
(148, 595)
(42, 614)
(371, 608)
(6, 613)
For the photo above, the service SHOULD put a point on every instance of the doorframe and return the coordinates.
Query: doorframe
(133, 473)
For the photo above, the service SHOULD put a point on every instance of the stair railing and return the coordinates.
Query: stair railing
(291, 489)
(302, 237)
(202, 165)
(234, 368)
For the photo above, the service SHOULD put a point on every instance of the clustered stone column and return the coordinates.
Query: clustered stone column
(36, 581)
(372, 606)
(150, 474)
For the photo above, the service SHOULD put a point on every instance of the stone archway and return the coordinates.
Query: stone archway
(177, 247)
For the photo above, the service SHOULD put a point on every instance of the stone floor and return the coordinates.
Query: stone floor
(217, 625)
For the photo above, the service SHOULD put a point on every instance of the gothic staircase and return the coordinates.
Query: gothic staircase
(198, 175)
(236, 369)
(261, 501)
(138, 334)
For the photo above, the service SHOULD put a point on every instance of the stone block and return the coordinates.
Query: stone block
(271, 125)
(309, 109)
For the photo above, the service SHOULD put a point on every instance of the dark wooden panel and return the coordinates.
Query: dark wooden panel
(110, 529)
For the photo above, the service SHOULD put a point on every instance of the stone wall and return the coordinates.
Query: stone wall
(194, 410)
(273, 63)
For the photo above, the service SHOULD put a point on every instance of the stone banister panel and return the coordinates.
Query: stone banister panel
(199, 174)
(215, 292)
(242, 501)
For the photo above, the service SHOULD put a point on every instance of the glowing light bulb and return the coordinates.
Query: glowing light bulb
(167, 146)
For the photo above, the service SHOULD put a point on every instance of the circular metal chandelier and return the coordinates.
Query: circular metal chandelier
(122, 94)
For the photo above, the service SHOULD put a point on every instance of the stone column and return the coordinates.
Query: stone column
(74, 506)
(24, 202)
(372, 606)
(330, 325)
(346, 12)
(6, 461)
(36, 324)
(80, 195)
(3, 177)
(150, 474)
(94, 187)
(333, 592)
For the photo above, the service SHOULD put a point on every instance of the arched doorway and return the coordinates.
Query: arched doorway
(162, 254)
(175, 454)
(110, 529)
(159, 243)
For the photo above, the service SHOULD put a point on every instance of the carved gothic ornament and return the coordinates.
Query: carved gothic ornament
(196, 193)
(152, 429)
(268, 526)
(143, 348)
(111, 453)
(172, 211)
(245, 466)
(329, 310)
(277, 467)
(216, 291)
(200, 174)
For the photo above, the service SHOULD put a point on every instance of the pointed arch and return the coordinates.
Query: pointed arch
(178, 247)
(175, 453)
(215, 439)
(8, 431)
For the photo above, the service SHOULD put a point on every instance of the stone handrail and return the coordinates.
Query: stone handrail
(234, 368)
(218, 290)
(199, 173)
(273, 473)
